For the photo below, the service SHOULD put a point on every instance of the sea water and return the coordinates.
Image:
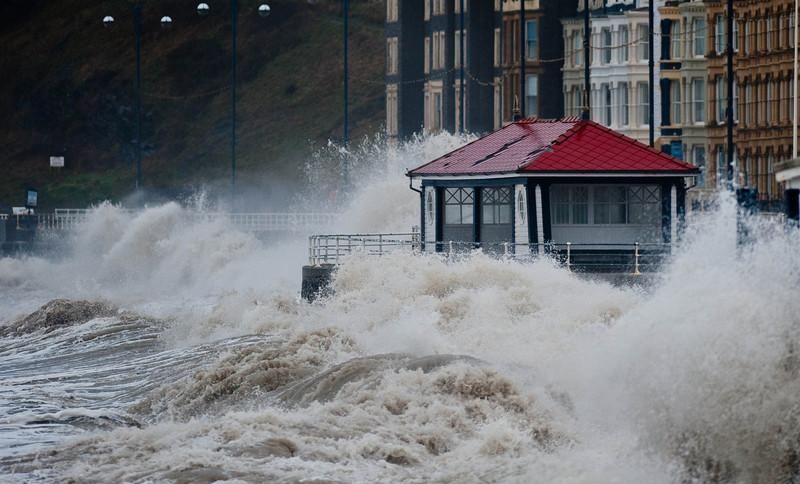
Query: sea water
(165, 350)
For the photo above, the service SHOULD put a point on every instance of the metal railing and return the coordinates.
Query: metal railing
(330, 249)
(280, 222)
(52, 221)
(635, 258)
(66, 218)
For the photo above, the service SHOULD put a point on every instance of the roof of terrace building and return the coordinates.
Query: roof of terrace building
(562, 146)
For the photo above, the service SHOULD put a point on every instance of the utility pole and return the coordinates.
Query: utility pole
(522, 82)
(234, 29)
(652, 73)
(794, 83)
(730, 168)
(463, 112)
(137, 28)
(346, 69)
(587, 58)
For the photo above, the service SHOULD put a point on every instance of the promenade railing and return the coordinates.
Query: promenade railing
(634, 258)
(289, 222)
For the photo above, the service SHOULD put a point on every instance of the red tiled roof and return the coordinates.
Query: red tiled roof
(553, 146)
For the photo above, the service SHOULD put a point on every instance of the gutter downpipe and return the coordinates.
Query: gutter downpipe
(652, 71)
(796, 39)
(587, 108)
(522, 55)
(731, 168)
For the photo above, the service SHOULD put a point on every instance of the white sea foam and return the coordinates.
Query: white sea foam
(420, 369)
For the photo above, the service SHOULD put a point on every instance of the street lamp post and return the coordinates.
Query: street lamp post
(346, 88)
(203, 10)
(166, 22)
(108, 22)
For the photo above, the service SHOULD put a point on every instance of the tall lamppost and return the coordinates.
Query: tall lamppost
(166, 22)
(203, 9)
(346, 87)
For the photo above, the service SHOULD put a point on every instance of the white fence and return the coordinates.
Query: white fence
(623, 258)
(66, 218)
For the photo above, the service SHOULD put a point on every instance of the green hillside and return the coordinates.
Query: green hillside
(67, 89)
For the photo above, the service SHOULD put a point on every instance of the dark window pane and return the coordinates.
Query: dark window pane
(618, 213)
(452, 214)
(601, 214)
(505, 213)
(488, 214)
(580, 214)
(467, 214)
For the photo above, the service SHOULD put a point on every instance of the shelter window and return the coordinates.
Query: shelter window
(644, 204)
(610, 205)
(459, 206)
(606, 205)
(570, 205)
(496, 206)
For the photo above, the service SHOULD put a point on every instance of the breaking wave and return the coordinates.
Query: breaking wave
(415, 368)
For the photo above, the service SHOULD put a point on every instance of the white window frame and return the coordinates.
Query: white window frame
(427, 56)
(643, 92)
(392, 10)
(624, 39)
(699, 36)
(392, 59)
(624, 104)
(675, 45)
(605, 101)
(698, 86)
(605, 55)
(643, 42)
(676, 114)
(535, 54)
(532, 108)
(719, 34)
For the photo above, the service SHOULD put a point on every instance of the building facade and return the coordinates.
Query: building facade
(763, 67)
(405, 31)
(539, 94)
(426, 65)
(683, 131)
(762, 90)
(620, 86)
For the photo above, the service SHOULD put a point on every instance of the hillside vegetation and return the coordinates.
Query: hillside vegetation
(67, 89)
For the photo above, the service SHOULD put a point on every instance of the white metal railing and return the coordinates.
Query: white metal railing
(632, 258)
(71, 212)
(281, 222)
(66, 218)
(330, 249)
(52, 221)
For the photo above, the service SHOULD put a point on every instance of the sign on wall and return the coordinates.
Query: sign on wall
(57, 162)
(31, 198)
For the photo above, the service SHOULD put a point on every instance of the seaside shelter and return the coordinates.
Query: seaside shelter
(537, 184)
